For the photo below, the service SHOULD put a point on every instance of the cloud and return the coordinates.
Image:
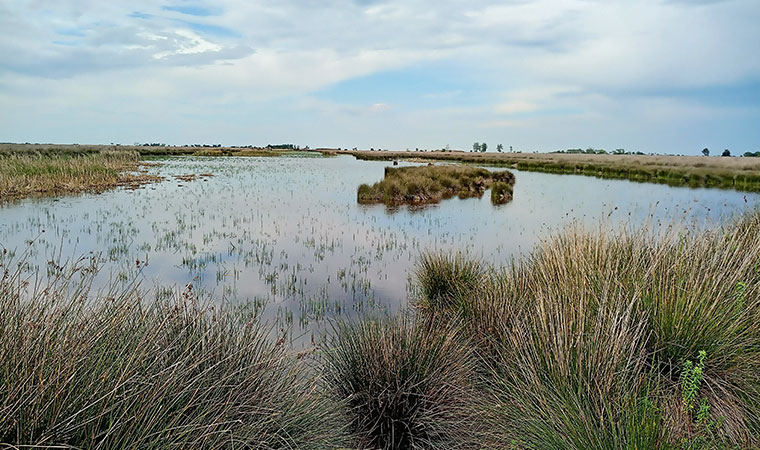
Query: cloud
(516, 107)
(505, 124)
(379, 107)
(446, 67)
(192, 10)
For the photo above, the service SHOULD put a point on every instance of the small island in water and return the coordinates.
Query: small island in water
(421, 185)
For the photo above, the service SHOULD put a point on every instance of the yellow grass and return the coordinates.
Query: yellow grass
(24, 175)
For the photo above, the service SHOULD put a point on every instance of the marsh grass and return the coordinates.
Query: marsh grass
(430, 184)
(115, 370)
(23, 175)
(585, 341)
(591, 341)
(448, 281)
(501, 193)
(405, 383)
(742, 174)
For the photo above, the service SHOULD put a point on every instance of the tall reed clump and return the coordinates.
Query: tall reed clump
(118, 371)
(633, 339)
(405, 383)
(23, 175)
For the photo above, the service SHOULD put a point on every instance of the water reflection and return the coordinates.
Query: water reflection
(288, 232)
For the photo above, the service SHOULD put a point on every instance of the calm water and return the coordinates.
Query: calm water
(287, 233)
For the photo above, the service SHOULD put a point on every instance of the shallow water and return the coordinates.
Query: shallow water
(288, 233)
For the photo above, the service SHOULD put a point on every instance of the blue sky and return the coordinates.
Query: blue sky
(666, 76)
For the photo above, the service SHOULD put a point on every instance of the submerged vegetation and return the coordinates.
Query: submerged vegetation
(742, 174)
(430, 184)
(34, 174)
(629, 339)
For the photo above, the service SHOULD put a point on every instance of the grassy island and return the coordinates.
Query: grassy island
(430, 184)
(38, 174)
(741, 174)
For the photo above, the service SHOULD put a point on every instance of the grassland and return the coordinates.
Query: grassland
(27, 174)
(742, 174)
(430, 184)
(598, 340)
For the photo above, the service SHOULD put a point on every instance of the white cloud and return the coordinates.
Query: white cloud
(516, 107)
(581, 60)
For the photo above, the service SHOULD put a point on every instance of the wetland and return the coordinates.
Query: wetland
(132, 315)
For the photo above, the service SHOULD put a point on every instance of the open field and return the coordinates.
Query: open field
(695, 171)
(431, 184)
(597, 340)
(30, 174)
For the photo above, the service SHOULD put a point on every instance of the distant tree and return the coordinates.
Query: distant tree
(499, 148)
(510, 149)
(726, 153)
(706, 151)
(483, 147)
(476, 147)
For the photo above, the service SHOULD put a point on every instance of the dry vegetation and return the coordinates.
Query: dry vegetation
(430, 184)
(34, 174)
(596, 341)
(695, 171)
(615, 340)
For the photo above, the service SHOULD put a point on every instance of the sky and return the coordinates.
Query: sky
(665, 76)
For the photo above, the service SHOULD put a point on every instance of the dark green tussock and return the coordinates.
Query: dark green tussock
(406, 383)
(431, 184)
